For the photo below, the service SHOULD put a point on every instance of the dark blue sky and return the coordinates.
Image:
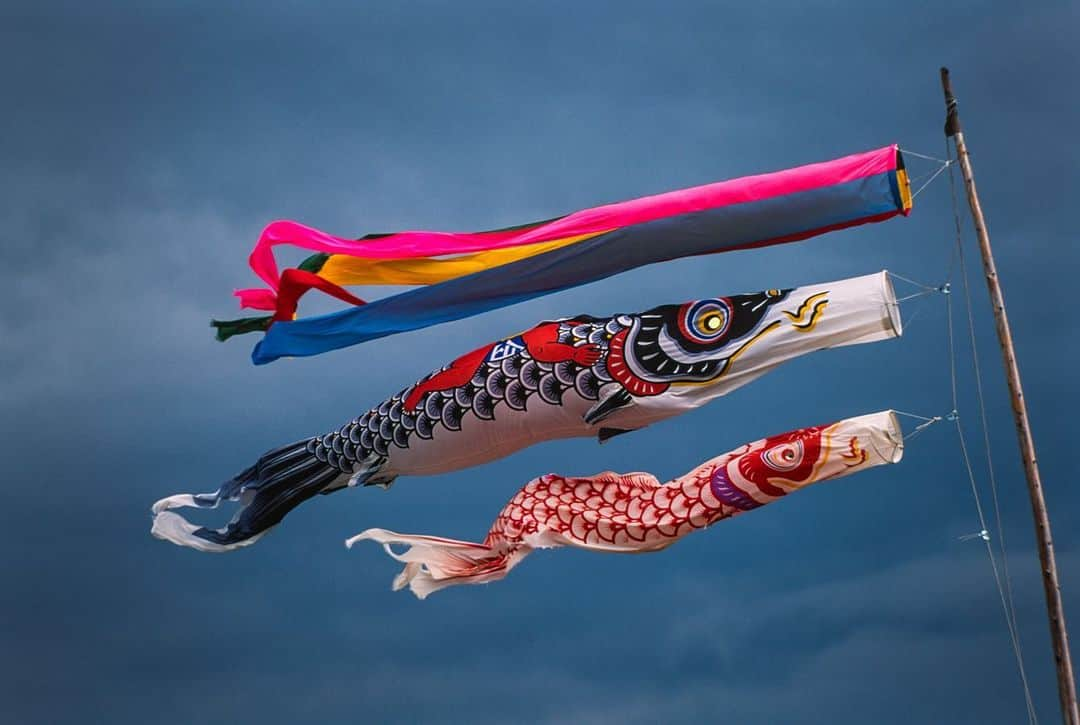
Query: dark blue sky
(144, 146)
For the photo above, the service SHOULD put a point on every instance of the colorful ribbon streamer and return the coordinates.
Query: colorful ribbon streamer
(502, 267)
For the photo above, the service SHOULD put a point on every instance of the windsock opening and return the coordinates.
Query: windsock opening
(886, 436)
(896, 439)
(903, 184)
(891, 304)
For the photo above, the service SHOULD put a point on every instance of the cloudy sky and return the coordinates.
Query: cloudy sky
(145, 145)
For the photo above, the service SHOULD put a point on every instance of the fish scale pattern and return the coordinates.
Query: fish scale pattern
(511, 382)
(631, 511)
(634, 512)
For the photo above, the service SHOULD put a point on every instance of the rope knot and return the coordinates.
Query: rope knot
(984, 535)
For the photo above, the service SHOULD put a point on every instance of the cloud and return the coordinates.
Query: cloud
(143, 152)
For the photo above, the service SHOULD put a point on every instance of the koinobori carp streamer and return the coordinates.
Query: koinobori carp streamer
(634, 512)
(464, 274)
(578, 376)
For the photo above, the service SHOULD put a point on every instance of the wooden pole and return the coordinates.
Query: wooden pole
(1058, 633)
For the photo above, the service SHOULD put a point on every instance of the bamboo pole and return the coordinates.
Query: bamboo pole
(1058, 633)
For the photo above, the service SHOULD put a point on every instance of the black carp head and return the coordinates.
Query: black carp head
(692, 342)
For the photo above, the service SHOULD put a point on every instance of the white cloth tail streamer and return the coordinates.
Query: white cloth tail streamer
(635, 513)
(279, 481)
(433, 563)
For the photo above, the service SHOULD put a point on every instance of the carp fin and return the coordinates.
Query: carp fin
(608, 405)
(382, 481)
(607, 434)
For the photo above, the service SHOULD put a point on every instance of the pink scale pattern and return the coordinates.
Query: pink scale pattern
(634, 512)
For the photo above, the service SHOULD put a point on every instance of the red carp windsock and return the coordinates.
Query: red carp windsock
(633, 512)
(578, 376)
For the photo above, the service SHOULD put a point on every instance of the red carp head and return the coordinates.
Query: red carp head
(780, 463)
(773, 467)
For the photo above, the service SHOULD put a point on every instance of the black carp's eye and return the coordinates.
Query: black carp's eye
(710, 323)
(784, 457)
(705, 321)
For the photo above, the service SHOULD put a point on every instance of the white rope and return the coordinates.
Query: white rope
(926, 422)
(1001, 575)
(924, 156)
(1014, 634)
(929, 288)
(960, 432)
(918, 191)
(918, 417)
(911, 319)
(943, 164)
(915, 295)
(984, 535)
(1004, 585)
(923, 426)
(926, 289)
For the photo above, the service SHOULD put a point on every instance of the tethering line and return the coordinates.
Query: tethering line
(943, 164)
(916, 295)
(918, 191)
(913, 282)
(926, 289)
(927, 422)
(909, 152)
(1002, 579)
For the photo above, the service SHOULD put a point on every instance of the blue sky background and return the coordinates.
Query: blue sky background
(145, 145)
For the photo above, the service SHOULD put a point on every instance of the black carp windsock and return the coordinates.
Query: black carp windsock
(633, 513)
(579, 376)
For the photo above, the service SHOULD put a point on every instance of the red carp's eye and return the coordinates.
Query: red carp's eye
(784, 457)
